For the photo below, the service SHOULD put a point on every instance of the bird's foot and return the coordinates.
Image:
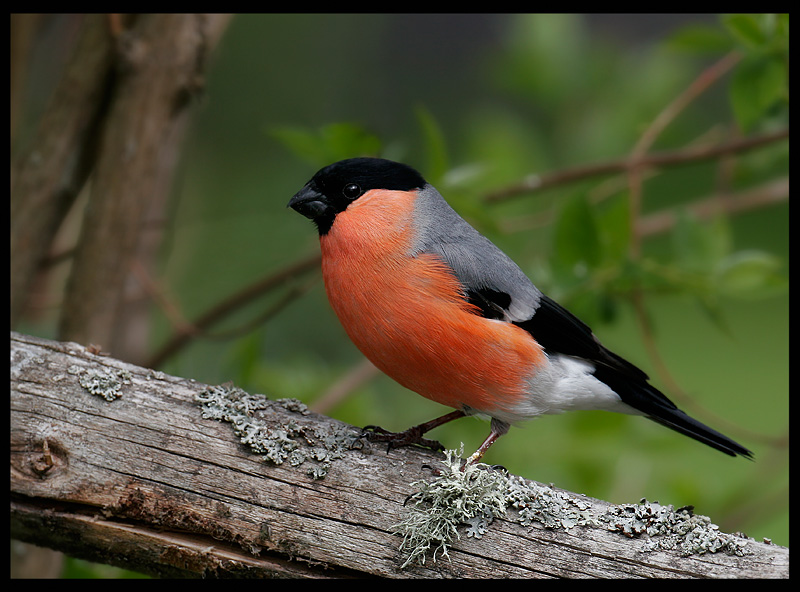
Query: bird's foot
(410, 437)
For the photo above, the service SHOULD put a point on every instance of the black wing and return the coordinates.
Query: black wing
(558, 331)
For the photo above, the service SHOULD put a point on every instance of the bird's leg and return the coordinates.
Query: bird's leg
(413, 435)
(498, 429)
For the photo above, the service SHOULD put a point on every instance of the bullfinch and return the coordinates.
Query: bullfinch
(440, 309)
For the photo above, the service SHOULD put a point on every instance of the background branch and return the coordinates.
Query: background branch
(230, 305)
(683, 156)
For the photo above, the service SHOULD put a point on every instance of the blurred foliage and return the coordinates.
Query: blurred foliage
(78, 569)
(760, 86)
(479, 103)
(332, 142)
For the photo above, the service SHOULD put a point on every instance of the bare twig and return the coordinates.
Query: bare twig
(765, 195)
(703, 82)
(762, 196)
(355, 377)
(699, 85)
(230, 305)
(535, 183)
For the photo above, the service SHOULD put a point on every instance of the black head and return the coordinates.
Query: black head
(338, 185)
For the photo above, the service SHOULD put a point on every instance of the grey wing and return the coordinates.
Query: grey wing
(491, 280)
(494, 283)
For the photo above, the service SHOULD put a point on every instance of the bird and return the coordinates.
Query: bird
(436, 306)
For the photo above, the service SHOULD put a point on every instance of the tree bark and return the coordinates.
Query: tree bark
(48, 175)
(141, 479)
(117, 116)
(160, 69)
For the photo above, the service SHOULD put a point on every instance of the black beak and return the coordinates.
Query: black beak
(310, 203)
(315, 206)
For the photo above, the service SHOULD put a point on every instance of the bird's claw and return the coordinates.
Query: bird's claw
(410, 437)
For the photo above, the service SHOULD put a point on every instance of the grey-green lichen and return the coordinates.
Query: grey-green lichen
(470, 497)
(550, 507)
(671, 529)
(276, 442)
(103, 383)
(473, 496)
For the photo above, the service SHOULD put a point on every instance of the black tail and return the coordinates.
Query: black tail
(561, 332)
(680, 422)
(644, 397)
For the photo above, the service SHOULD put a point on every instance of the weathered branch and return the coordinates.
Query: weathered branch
(145, 481)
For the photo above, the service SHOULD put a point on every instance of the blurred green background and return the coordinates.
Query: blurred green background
(477, 103)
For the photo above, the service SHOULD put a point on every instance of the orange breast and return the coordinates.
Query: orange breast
(408, 316)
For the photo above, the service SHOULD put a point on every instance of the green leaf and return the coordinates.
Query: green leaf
(614, 223)
(699, 246)
(435, 144)
(746, 28)
(329, 143)
(710, 305)
(346, 140)
(758, 83)
(782, 28)
(577, 244)
(748, 273)
(700, 39)
(303, 143)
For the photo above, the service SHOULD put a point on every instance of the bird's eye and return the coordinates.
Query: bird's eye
(351, 191)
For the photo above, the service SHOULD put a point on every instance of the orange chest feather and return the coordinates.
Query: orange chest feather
(408, 314)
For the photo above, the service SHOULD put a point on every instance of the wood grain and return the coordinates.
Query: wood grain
(144, 481)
